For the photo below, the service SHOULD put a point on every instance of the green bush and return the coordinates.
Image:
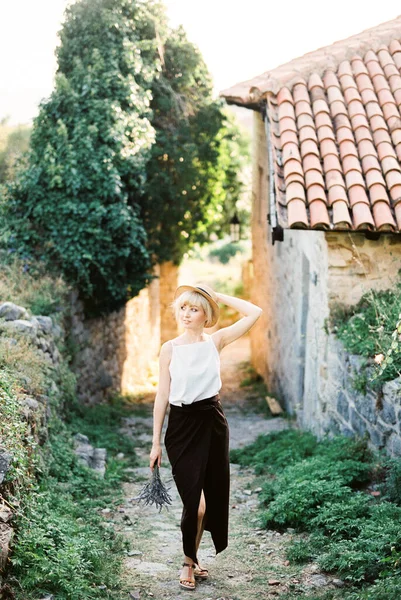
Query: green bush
(296, 504)
(367, 329)
(315, 487)
(226, 251)
(275, 451)
(73, 203)
(62, 545)
(390, 488)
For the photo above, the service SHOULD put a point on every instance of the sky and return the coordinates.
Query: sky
(238, 40)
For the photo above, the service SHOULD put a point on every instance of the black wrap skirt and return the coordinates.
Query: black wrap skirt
(197, 447)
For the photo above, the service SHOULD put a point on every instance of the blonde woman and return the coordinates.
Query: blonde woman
(196, 439)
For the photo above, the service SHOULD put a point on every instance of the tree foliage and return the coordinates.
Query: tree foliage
(194, 172)
(131, 160)
(75, 205)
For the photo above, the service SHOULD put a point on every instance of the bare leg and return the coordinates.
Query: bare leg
(201, 520)
(186, 572)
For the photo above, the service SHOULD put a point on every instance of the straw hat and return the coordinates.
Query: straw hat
(207, 293)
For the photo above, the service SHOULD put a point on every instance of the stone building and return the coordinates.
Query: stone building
(326, 220)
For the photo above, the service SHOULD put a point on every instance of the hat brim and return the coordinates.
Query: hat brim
(191, 288)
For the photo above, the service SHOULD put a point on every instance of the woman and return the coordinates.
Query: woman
(197, 434)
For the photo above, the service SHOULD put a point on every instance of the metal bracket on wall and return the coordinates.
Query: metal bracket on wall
(277, 230)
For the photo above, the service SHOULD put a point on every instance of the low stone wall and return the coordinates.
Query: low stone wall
(342, 409)
(119, 353)
(113, 353)
(32, 409)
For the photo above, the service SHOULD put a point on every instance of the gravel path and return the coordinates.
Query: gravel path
(254, 563)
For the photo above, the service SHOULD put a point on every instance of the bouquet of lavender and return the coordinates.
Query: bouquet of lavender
(155, 492)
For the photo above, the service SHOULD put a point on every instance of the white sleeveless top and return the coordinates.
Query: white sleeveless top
(195, 372)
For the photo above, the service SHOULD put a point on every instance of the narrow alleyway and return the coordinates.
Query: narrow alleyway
(254, 564)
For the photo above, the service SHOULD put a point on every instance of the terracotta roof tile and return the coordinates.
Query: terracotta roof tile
(362, 216)
(297, 216)
(331, 163)
(323, 118)
(384, 220)
(315, 191)
(309, 147)
(336, 193)
(345, 133)
(328, 147)
(397, 211)
(319, 216)
(288, 136)
(395, 193)
(374, 176)
(295, 190)
(351, 163)
(302, 107)
(370, 162)
(284, 95)
(311, 162)
(341, 216)
(363, 134)
(337, 119)
(307, 133)
(378, 192)
(357, 193)
(286, 109)
(287, 124)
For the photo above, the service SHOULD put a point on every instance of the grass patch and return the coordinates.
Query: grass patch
(30, 286)
(319, 489)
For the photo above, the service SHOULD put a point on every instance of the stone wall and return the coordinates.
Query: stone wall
(31, 410)
(357, 264)
(115, 353)
(168, 285)
(298, 282)
(119, 353)
(345, 410)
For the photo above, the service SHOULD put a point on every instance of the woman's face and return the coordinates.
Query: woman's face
(191, 316)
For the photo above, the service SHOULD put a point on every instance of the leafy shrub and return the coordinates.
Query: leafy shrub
(339, 520)
(359, 558)
(391, 487)
(226, 251)
(296, 504)
(386, 589)
(367, 328)
(275, 451)
(62, 545)
(351, 533)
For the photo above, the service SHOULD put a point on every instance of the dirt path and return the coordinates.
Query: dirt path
(254, 556)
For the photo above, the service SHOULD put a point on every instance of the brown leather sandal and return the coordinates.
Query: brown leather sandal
(200, 573)
(187, 584)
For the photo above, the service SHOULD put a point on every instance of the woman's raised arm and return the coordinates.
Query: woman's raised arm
(251, 313)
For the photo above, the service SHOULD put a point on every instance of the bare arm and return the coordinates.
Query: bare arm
(251, 313)
(161, 403)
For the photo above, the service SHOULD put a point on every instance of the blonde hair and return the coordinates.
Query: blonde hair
(193, 299)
